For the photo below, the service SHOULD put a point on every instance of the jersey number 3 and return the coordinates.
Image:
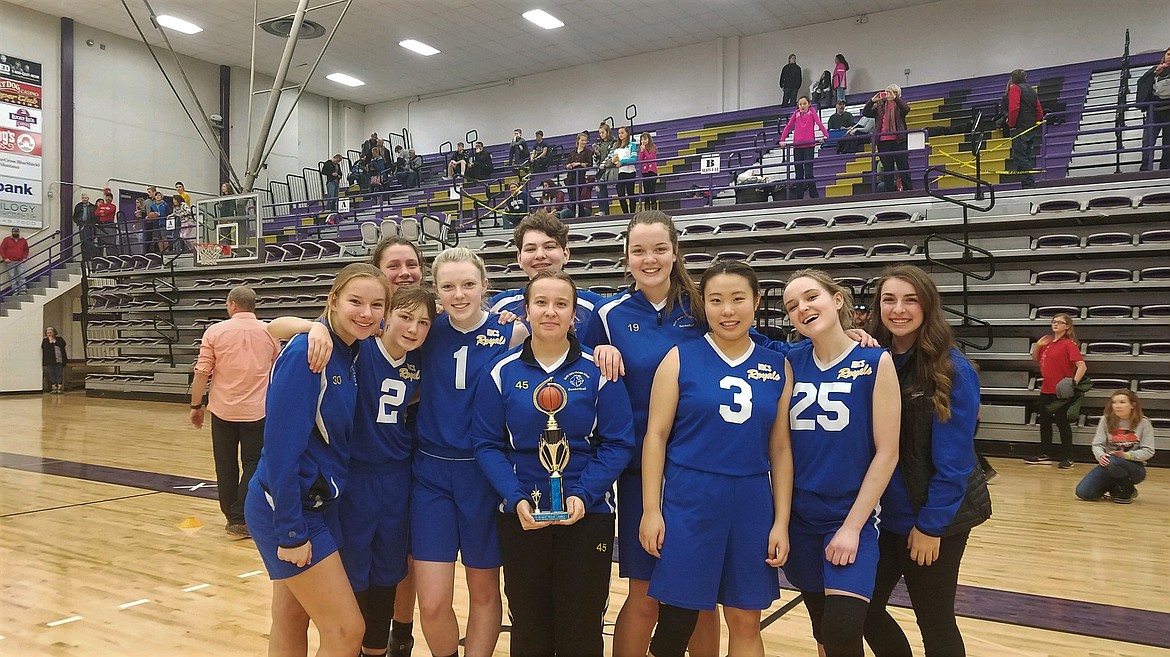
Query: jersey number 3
(395, 394)
(836, 414)
(741, 400)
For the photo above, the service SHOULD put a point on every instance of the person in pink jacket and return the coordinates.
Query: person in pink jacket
(802, 125)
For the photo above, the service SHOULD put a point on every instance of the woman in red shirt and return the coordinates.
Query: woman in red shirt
(107, 214)
(1060, 359)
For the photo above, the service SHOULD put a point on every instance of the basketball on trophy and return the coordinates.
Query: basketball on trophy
(550, 398)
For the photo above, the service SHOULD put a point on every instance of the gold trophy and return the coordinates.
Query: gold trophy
(553, 451)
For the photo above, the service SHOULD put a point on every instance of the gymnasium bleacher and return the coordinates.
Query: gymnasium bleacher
(1093, 245)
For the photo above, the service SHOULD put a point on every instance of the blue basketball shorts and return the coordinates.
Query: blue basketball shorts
(375, 526)
(322, 527)
(453, 511)
(633, 561)
(809, 532)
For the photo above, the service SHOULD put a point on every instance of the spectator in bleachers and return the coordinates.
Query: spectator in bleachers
(53, 359)
(856, 136)
(1154, 87)
(14, 251)
(184, 219)
(840, 80)
(458, 162)
(369, 144)
(551, 198)
(411, 169)
(791, 80)
(331, 170)
(647, 162)
(399, 160)
(106, 228)
(518, 149)
(822, 91)
(85, 218)
(224, 208)
(1023, 115)
(1061, 369)
(802, 125)
(889, 110)
(481, 163)
(540, 153)
(518, 205)
(579, 161)
(625, 158)
(359, 174)
(159, 210)
(841, 118)
(1123, 443)
(377, 168)
(181, 190)
(606, 172)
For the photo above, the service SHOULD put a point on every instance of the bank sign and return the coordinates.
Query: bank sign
(21, 127)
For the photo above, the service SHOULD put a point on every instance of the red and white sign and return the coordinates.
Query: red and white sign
(20, 142)
(20, 118)
(19, 93)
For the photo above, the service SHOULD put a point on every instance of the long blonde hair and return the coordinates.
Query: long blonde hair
(348, 274)
(1071, 333)
(1135, 416)
(845, 312)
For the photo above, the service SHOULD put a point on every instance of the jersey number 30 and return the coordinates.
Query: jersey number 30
(395, 394)
(836, 414)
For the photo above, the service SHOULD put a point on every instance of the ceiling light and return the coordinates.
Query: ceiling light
(419, 47)
(178, 24)
(543, 19)
(347, 80)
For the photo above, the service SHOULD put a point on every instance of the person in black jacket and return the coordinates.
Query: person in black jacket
(1154, 87)
(938, 492)
(481, 163)
(791, 79)
(1024, 113)
(53, 359)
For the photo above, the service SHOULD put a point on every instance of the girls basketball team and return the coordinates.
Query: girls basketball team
(732, 457)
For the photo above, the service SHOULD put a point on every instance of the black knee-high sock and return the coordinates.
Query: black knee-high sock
(377, 612)
(401, 631)
(675, 627)
(842, 626)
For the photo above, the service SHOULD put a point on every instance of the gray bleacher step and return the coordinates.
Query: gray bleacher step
(178, 378)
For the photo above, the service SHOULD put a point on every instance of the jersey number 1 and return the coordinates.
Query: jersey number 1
(461, 368)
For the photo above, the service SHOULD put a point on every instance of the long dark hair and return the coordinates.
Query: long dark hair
(932, 370)
(841, 60)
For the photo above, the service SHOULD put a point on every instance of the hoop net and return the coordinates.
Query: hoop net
(209, 253)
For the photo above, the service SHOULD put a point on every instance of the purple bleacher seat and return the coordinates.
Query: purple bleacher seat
(847, 251)
(699, 229)
(808, 222)
(330, 249)
(603, 263)
(1111, 348)
(731, 256)
(1056, 241)
(806, 253)
(733, 227)
(891, 249)
(604, 290)
(1109, 202)
(311, 250)
(576, 265)
(1157, 310)
(890, 216)
(1155, 274)
(698, 258)
(1048, 312)
(273, 253)
(770, 224)
(1108, 310)
(1156, 236)
(761, 256)
(1152, 385)
(1156, 198)
(849, 219)
(1059, 205)
(1057, 276)
(1109, 239)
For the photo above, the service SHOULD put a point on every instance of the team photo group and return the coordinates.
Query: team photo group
(548, 431)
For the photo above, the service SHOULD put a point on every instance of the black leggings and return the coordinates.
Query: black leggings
(649, 183)
(1063, 425)
(932, 594)
(625, 192)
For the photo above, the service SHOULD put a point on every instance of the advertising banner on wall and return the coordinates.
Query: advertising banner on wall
(21, 126)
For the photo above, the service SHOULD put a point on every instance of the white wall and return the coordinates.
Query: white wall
(947, 40)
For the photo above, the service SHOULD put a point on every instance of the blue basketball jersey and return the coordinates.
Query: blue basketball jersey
(726, 408)
(385, 386)
(587, 305)
(453, 360)
(643, 334)
(831, 421)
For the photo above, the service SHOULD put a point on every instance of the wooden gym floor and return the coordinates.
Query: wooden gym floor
(93, 560)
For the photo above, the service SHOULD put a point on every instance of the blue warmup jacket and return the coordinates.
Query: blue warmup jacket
(587, 304)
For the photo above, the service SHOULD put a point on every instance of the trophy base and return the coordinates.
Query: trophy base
(550, 515)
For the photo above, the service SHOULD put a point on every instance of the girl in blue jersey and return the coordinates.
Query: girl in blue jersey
(556, 573)
(452, 509)
(718, 431)
(843, 421)
(938, 492)
(302, 471)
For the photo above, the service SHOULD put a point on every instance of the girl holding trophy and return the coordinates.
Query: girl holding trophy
(552, 435)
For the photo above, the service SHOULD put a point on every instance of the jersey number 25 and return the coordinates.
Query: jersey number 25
(836, 414)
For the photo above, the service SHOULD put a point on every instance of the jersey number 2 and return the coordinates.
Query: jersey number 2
(395, 394)
(741, 398)
(836, 413)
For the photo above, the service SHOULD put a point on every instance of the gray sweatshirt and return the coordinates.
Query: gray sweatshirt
(1136, 444)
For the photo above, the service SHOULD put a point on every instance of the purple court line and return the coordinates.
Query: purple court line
(163, 483)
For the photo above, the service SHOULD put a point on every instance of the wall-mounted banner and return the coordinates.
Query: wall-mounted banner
(21, 191)
(14, 68)
(19, 93)
(25, 215)
(20, 118)
(20, 143)
(20, 166)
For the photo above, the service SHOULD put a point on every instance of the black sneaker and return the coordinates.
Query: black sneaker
(1039, 459)
(1126, 500)
(400, 649)
(1066, 464)
(991, 475)
(238, 529)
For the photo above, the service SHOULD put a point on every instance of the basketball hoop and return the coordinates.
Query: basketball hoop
(210, 253)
